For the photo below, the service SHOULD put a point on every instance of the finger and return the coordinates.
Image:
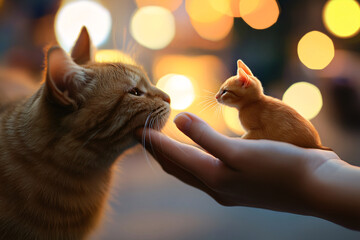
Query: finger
(200, 132)
(197, 162)
(181, 174)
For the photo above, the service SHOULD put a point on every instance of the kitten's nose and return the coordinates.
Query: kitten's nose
(218, 95)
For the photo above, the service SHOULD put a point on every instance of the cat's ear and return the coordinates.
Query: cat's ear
(64, 78)
(242, 65)
(243, 78)
(82, 50)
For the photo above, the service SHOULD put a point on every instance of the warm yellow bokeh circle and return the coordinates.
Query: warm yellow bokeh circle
(153, 27)
(259, 14)
(316, 50)
(74, 15)
(180, 90)
(305, 98)
(172, 5)
(202, 11)
(342, 17)
(231, 118)
(113, 55)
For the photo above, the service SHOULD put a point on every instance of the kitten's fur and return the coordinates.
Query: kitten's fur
(58, 147)
(265, 117)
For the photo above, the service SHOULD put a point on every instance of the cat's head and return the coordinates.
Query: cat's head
(240, 89)
(99, 103)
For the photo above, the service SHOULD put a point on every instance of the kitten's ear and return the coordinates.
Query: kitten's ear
(243, 78)
(82, 50)
(242, 65)
(64, 78)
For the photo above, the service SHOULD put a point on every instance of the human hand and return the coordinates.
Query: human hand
(237, 172)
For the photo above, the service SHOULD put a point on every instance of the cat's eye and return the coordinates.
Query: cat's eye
(136, 92)
(223, 92)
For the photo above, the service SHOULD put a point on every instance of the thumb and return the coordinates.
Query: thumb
(200, 132)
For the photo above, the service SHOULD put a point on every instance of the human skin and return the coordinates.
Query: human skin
(260, 173)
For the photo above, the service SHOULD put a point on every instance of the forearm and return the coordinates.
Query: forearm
(334, 190)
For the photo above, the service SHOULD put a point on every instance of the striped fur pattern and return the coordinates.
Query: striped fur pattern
(264, 117)
(58, 147)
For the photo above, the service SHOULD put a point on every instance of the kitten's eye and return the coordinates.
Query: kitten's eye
(136, 92)
(223, 92)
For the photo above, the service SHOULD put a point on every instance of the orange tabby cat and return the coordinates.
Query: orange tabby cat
(265, 117)
(58, 147)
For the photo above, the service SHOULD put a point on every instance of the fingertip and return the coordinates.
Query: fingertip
(183, 121)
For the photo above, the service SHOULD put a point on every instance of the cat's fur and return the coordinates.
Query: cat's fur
(265, 117)
(58, 147)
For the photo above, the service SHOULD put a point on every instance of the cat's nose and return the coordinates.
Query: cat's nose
(165, 97)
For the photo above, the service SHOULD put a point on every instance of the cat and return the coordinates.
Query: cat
(265, 117)
(58, 147)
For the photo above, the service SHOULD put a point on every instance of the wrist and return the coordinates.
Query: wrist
(332, 191)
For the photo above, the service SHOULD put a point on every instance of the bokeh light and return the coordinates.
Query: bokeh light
(231, 117)
(210, 23)
(202, 11)
(316, 50)
(153, 27)
(305, 98)
(214, 31)
(342, 17)
(74, 15)
(205, 73)
(180, 90)
(113, 55)
(259, 14)
(172, 5)
(228, 7)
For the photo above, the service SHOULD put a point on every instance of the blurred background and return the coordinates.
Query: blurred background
(306, 52)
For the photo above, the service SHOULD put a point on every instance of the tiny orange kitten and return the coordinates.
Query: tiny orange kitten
(265, 117)
(58, 147)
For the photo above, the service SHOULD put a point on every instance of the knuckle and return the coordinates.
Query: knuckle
(234, 155)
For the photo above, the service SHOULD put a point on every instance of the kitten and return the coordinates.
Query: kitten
(58, 147)
(265, 117)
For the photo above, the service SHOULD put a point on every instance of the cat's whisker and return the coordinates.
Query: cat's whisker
(146, 126)
(207, 96)
(218, 110)
(207, 107)
(209, 91)
(151, 126)
(214, 107)
(160, 122)
(207, 99)
(206, 102)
